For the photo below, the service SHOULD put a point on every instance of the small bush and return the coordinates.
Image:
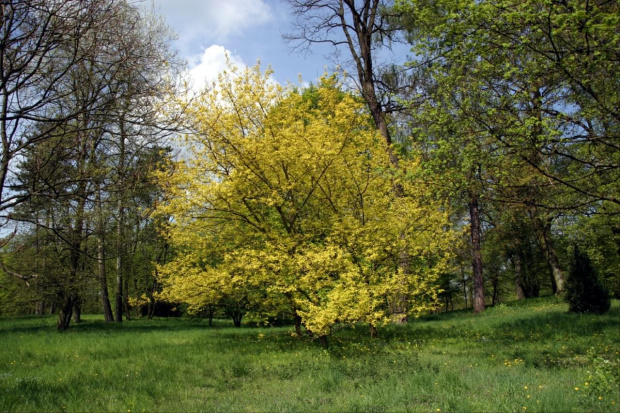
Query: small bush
(585, 293)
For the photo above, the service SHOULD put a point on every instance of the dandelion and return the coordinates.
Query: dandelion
(600, 398)
(524, 408)
(525, 387)
(576, 388)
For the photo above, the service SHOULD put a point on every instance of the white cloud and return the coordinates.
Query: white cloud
(206, 67)
(213, 21)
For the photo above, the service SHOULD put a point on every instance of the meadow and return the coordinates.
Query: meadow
(529, 356)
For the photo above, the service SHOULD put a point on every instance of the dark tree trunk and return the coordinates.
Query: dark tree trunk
(495, 284)
(211, 312)
(544, 234)
(323, 341)
(298, 325)
(126, 305)
(69, 297)
(77, 312)
(151, 310)
(120, 223)
(476, 252)
(518, 270)
(101, 272)
(373, 331)
(236, 317)
(118, 295)
(64, 317)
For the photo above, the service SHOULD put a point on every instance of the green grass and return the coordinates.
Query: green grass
(526, 356)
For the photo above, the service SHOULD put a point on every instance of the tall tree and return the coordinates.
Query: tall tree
(94, 160)
(360, 27)
(533, 77)
(41, 44)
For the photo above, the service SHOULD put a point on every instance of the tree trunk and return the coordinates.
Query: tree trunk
(476, 252)
(77, 312)
(69, 297)
(103, 281)
(464, 280)
(151, 309)
(118, 296)
(64, 317)
(101, 272)
(298, 325)
(544, 234)
(518, 270)
(211, 311)
(323, 341)
(373, 331)
(126, 305)
(120, 222)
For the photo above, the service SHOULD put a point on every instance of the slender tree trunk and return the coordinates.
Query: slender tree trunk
(298, 325)
(518, 270)
(120, 222)
(64, 317)
(211, 311)
(464, 279)
(70, 294)
(77, 312)
(118, 296)
(101, 272)
(323, 341)
(126, 305)
(363, 24)
(476, 252)
(544, 234)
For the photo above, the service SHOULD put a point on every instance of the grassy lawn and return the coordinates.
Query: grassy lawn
(525, 356)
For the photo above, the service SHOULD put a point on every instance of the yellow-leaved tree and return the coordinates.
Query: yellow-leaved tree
(284, 204)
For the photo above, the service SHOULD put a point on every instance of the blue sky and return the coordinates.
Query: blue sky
(246, 30)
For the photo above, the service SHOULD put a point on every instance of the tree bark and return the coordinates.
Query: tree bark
(101, 272)
(120, 222)
(518, 270)
(323, 341)
(64, 317)
(298, 326)
(476, 252)
(373, 331)
(77, 312)
(544, 234)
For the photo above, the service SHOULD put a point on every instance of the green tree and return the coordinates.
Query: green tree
(584, 291)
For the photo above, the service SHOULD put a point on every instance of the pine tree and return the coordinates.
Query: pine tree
(585, 293)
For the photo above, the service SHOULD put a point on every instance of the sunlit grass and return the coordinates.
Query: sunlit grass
(528, 356)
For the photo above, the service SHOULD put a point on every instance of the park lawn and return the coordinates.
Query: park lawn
(525, 356)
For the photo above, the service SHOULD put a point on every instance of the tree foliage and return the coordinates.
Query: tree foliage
(286, 199)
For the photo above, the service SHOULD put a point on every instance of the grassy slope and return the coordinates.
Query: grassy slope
(528, 356)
